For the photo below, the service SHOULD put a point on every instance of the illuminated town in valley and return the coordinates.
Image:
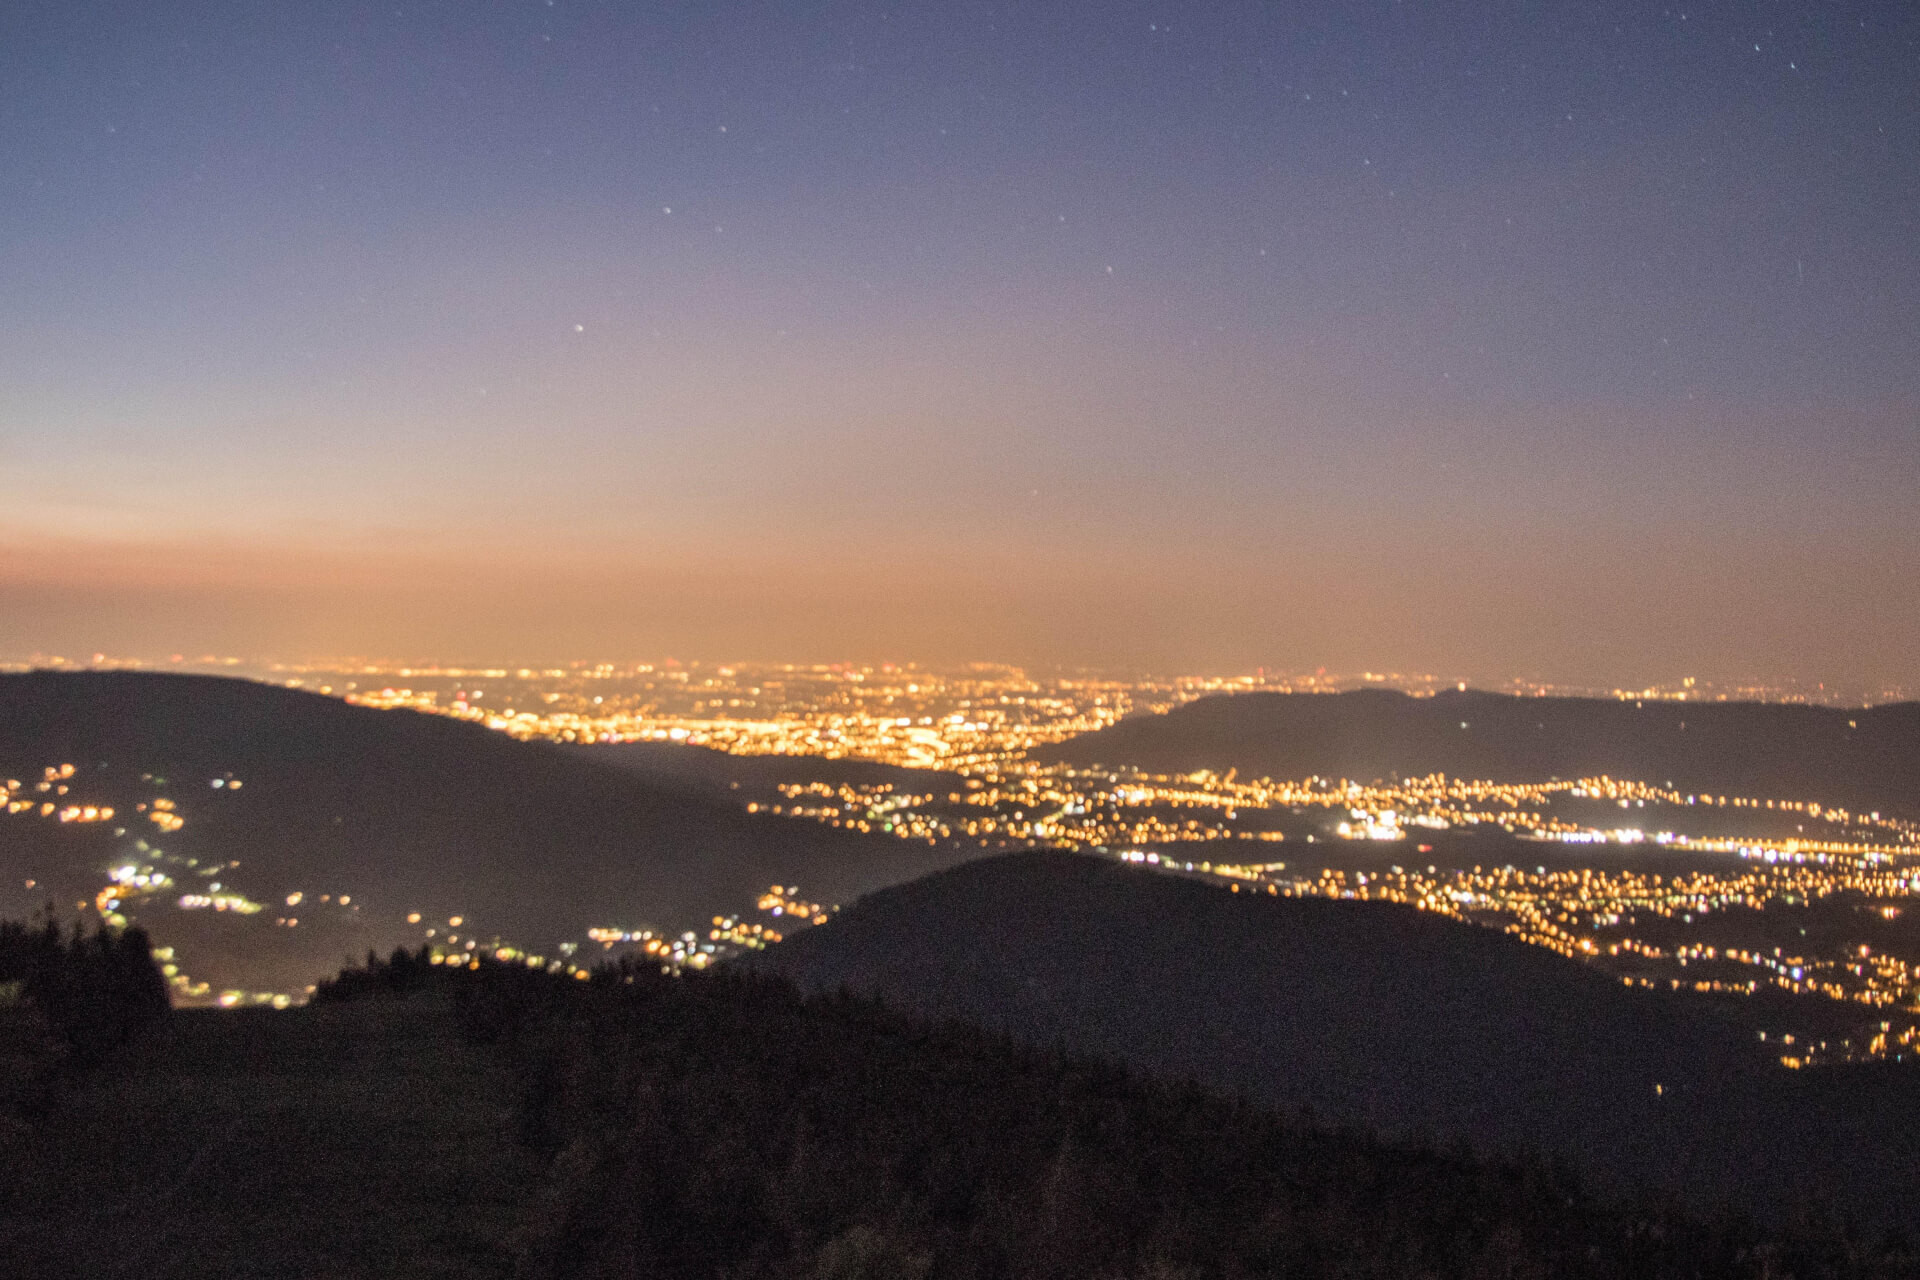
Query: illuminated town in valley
(1737, 896)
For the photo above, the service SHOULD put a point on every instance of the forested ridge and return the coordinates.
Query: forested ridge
(1396, 1020)
(724, 1125)
(502, 1121)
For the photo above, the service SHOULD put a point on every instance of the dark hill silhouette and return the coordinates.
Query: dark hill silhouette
(1368, 1013)
(498, 1121)
(400, 811)
(718, 1125)
(1863, 759)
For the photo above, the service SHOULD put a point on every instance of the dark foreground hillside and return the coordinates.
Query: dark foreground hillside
(399, 812)
(419, 1121)
(364, 1142)
(1378, 1015)
(1863, 759)
(722, 1126)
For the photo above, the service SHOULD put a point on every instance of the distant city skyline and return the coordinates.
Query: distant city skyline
(387, 681)
(1583, 346)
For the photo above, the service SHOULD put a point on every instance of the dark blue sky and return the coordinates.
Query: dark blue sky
(1573, 341)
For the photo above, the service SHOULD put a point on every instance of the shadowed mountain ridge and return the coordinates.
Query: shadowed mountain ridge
(401, 811)
(1863, 759)
(1369, 1013)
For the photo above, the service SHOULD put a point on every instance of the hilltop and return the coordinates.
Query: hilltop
(1862, 759)
(369, 816)
(1368, 1013)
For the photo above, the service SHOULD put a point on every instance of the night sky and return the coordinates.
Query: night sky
(1574, 341)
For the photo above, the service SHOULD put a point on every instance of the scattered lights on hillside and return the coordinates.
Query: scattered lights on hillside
(1750, 858)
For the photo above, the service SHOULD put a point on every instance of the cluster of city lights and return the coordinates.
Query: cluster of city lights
(1650, 923)
(981, 724)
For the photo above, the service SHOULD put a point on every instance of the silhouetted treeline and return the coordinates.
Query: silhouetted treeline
(66, 999)
(722, 1125)
(401, 973)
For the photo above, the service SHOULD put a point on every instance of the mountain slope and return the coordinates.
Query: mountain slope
(1863, 759)
(400, 812)
(1366, 1012)
(706, 1126)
